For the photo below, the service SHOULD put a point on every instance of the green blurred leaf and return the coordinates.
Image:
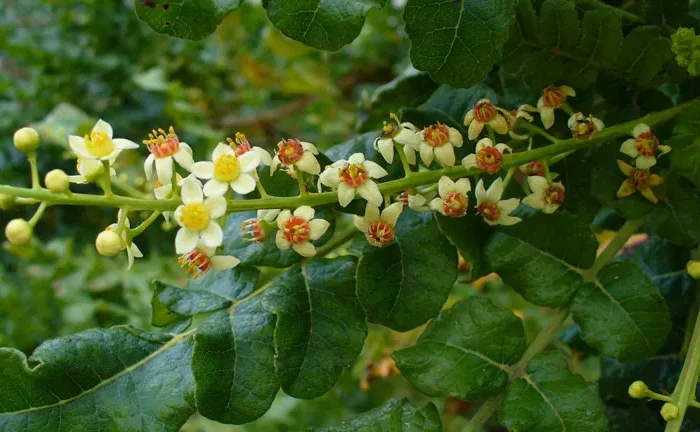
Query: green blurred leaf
(664, 11)
(469, 235)
(675, 218)
(65, 119)
(187, 19)
(396, 415)
(465, 352)
(644, 53)
(685, 156)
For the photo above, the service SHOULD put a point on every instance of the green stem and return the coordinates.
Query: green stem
(684, 394)
(542, 341)
(31, 157)
(626, 231)
(492, 135)
(486, 411)
(128, 189)
(538, 130)
(37, 215)
(175, 192)
(547, 174)
(567, 108)
(145, 224)
(509, 176)
(337, 241)
(302, 186)
(261, 190)
(107, 185)
(404, 161)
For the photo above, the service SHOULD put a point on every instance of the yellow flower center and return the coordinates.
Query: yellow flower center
(99, 144)
(227, 168)
(195, 216)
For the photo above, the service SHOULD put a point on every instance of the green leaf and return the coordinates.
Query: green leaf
(279, 184)
(657, 372)
(685, 156)
(469, 235)
(184, 302)
(675, 218)
(542, 257)
(321, 24)
(465, 352)
(622, 314)
(575, 172)
(664, 11)
(457, 41)
(633, 419)
(559, 26)
(396, 415)
(601, 38)
(117, 379)
(187, 19)
(232, 284)
(644, 53)
(550, 398)
(405, 283)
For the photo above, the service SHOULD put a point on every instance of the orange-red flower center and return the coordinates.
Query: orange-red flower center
(289, 151)
(296, 230)
(455, 205)
(380, 233)
(162, 144)
(488, 210)
(489, 160)
(484, 112)
(584, 128)
(436, 135)
(554, 195)
(647, 144)
(354, 175)
(240, 145)
(196, 263)
(640, 179)
(253, 230)
(534, 168)
(403, 196)
(553, 97)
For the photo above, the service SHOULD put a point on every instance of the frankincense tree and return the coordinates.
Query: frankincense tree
(549, 117)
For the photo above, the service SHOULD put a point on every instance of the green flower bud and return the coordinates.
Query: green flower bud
(57, 181)
(18, 232)
(669, 411)
(686, 46)
(26, 140)
(6, 201)
(693, 269)
(638, 390)
(108, 243)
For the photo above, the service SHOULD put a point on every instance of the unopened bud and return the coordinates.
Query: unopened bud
(57, 181)
(26, 140)
(638, 390)
(18, 232)
(6, 201)
(108, 243)
(693, 268)
(254, 230)
(669, 411)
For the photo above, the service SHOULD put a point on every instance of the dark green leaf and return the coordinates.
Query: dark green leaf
(622, 314)
(404, 284)
(117, 379)
(396, 415)
(634, 419)
(559, 26)
(575, 174)
(542, 257)
(601, 37)
(279, 184)
(664, 11)
(186, 19)
(644, 52)
(469, 236)
(550, 398)
(685, 156)
(457, 41)
(187, 302)
(675, 218)
(321, 24)
(465, 352)
(657, 372)
(233, 284)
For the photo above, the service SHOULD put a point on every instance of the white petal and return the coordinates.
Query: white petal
(645, 162)
(244, 184)
(136, 251)
(506, 220)
(184, 158)
(281, 241)
(664, 149)
(77, 144)
(407, 137)
(361, 223)
(275, 163)
(305, 249)
(445, 155)
(629, 147)
(386, 148)
(124, 144)
(483, 143)
(573, 119)
(468, 118)
(446, 186)
(507, 206)
(216, 206)
(221, 149)
(540, 103)
(191, 192)
(203, 170)
(305, 212)
(598, 124)
(212, 235)
(268, 215)
(569, 91)
(356, 158)
(375, 170)
(185, 241)
(263, 155)
(130, 258)
(475, 129)
(309, 164)
(538, 184)
(309, 147)
(318, 227)
(640, 129)
(370, 192)
(426, 154)
(104, 127)
(463, 186)
(371, 213)
(330, 177)
(215, 188)
(455, 138)
(148, 166)
(283, 217)
(480, 192)
(495, 191)
(164, 169)
(535, 201)
(346, 194)
(437, 204)
(410, 153)
(163, 191)
(249, 161)
(547, 116)
(224, 262)
(550, 208)
(504, 148)
(469, 161)
(499, 124)
(391, 214)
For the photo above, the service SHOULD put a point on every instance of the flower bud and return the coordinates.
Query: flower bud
(26, 140)
(6, 201)
(669, 411)
(57, 181)
(693, 268)
(638, 390)
(18, 232)
(108, 243)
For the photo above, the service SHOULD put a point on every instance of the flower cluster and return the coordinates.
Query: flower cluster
(643, 148)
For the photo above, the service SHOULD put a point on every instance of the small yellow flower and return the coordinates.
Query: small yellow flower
(638, 181)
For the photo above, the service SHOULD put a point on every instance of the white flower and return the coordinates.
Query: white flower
(379, 229)
(241, 146)
(99, 144)
(553, 97)
(164, 149)
(89, 170)
(405, 134)
(485, 113)
(414, 201)
(643, 147)
(523, 112)
(545, 196)
(256, 230)
(132, 251)
(584, 127)
(490, 206)
(354, 176)
(203, 258)
(227, 170)
(163, 191)
(295, 153)
(488, 157)
(438, 141)
(296, 230)
(196, 218)
(453, 200)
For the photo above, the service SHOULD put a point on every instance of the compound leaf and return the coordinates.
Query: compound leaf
(396, 415)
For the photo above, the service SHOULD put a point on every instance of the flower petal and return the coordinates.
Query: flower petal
(391, 214)
(499, 124)
(495, 191)
(163, 191)
(184, 158)
(356, 158)
(148, 166)
(244, 184)
(124, 144)
(455, 137)
(305, 212)
(506, 220)
(426, 154)
(275, 163)
(305, 249)
(281, 241)
(215, 188)
(216, 206)
(547, 116)
(649, 195)
(371, 213)
(249, 161)
(538, 184)
(483, 143)
(468, 118)
(164, 169)
(361, 223)
(221, 149)
(625, 168)
(386, 148)
(445, 155)
(407, 137)
(309, 164)
(480, 192)
(569, 91)
(629, 147)
(203, 170)
(550, 208)
(475, 128)
(410, 153)
(437, 205)
(645, 162)
(469, 161)
(626, 189)
(463, 186)
(104, 127)
(212, 235)
(309, 147)
(185, 241)
(346, 194)
(640, 129)
(504, 148)
(446, 186)
(224, 262)
(375, 170)
(664, 149)
(77, 144)
(318, 227)
(282, 218)
(263, 155)
(535, 201)
(191, 192)
(370, 192)
(507, 206)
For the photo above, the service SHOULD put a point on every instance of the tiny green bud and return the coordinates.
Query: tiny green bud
(57, 181)
(669, 411)
(693, 269)
(638, 390)
(6, 201)
(108, 243)
(18, 232)
(26, 140)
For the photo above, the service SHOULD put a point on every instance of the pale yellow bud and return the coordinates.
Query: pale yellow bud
(57, 181)
(693, 269)
(638, 390)
(669, 411)
(18, 232)
(26, 140)
(6, 201)
(108, 243)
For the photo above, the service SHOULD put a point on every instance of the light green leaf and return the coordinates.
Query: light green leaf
(465, 352)
(186, 19)
(405, 283)
(542, 257)
(114, 380)
(644, 53)
(685, 156)
(457, 41)
(550, 398)
(622, 314)
(321, 24)
(396, 415)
